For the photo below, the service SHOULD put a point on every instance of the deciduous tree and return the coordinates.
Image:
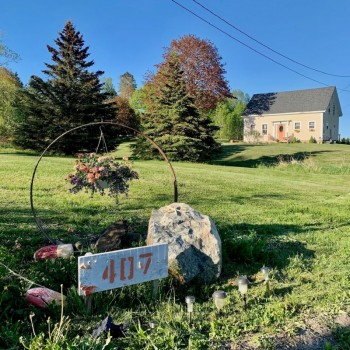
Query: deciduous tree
(202, 69)
(124, 114)
(228, 116)
(10, 88)
(127, 85)
(6, 54)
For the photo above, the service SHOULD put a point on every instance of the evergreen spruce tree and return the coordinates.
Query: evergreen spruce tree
(172, 119)
(71, 96)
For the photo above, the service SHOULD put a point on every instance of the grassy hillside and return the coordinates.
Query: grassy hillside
(283, 205)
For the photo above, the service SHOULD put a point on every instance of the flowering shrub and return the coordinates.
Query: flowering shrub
(96, 174)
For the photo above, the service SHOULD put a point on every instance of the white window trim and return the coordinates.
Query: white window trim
(312, 121)
(262, 129)
(299, 125)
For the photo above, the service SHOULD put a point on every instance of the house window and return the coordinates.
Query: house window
(252, 127)
(333, 109)
(327, 125)
(311, 125)
(264, 129)
(297, 126)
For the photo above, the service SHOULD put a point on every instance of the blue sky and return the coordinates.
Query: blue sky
(129, 35)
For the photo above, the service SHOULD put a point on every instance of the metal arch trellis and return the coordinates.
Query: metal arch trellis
(36, 218)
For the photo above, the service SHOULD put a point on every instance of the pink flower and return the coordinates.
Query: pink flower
(84, 168)
(91, 178)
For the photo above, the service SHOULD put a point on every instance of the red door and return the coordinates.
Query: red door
(280, 132)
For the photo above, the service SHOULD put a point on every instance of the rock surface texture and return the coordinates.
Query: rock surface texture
(194, 242)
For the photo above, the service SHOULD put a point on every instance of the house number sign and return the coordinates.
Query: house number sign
(104, 271)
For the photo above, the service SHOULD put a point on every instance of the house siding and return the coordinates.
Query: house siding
(273, 116)
(288, 121)
(331, 120)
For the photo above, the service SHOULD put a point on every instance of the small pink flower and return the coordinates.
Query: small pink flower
(84, 168)
(91, 178)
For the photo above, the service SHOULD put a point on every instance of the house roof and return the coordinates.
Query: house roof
(309, 100)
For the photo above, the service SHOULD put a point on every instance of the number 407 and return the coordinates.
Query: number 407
(127, 267)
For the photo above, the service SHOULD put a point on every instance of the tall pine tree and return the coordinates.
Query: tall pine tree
(172, 119)
(71, 96)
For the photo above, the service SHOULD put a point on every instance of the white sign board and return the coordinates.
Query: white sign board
(99, 272)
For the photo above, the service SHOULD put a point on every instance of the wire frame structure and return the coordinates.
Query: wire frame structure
(38, 222)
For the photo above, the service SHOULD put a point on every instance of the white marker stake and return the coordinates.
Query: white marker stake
(121, 268)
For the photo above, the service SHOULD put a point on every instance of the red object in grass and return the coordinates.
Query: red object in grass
(41, 297)
(53, 252)
(88, 290)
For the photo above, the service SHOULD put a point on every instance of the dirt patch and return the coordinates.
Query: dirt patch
(313, 335)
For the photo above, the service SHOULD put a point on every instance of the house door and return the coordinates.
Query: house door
(280, 132)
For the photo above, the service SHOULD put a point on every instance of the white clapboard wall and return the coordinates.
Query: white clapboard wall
(104, 271)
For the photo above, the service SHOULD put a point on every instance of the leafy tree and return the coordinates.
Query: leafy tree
(124, 114)
(6, 54)
(127, 85)
(228, 116)
(71, 96)
(10, 88)
(137, 101)
(172, 120)
(202, 69)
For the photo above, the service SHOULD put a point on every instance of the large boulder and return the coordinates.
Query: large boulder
(194, 242)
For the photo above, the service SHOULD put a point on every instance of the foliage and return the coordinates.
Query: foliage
(7, 55)
(10, 89)
(124, 114)
(253, 136)
(127, 85)
(95, 174)
(172, 120)
(108, 87)
(228, 116)
(295, 140)
(312, 140)
(137, 101)
(202, 70)
(345, 141)
(70, 97)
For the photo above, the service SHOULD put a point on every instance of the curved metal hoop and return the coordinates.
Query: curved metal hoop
(38, 221)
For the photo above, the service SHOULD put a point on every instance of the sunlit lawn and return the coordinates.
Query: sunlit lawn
(291, 217)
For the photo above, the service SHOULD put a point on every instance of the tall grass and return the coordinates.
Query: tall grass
(307, 164)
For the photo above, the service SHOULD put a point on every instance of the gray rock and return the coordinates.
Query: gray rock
(194, 242)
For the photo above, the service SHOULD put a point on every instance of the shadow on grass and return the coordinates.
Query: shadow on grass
(230, 156)
(77, 224)
(247, 247)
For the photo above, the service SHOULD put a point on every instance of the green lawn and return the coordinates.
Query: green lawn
(283, 205)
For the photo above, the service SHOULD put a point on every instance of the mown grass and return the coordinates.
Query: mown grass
(284, 205)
